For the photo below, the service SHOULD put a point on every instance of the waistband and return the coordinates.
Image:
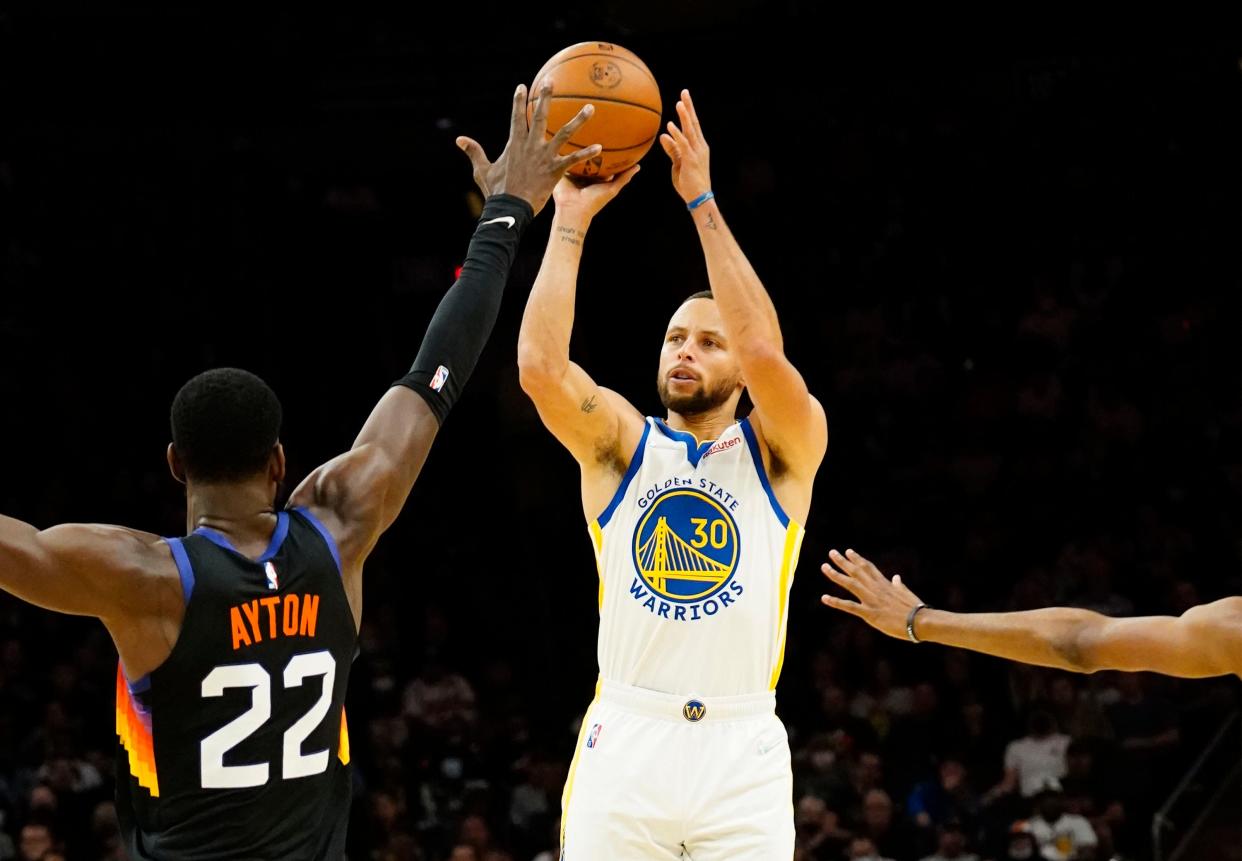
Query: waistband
(678, 707)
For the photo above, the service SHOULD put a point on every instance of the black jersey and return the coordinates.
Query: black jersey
(236, 746)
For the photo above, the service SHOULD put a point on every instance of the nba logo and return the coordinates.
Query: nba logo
(272, 581)
(441, 377)
(593, 738)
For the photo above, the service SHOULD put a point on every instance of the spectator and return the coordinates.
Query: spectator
(863, 849)
(951, 844)
(849, 732)
(881, 825)
(1061, 836)
(1033, 760)
(37, 839)
(438, 698)
(943, 798)
(1079, 716)
(818, 830)
(1021, 844)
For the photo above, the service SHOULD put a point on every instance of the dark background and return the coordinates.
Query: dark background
(1003, 246)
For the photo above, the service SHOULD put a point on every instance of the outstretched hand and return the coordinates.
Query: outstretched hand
(585, 199)
(882, 603)
(688, 151)
(530, 165)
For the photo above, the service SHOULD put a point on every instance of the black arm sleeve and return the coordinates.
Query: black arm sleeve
(461, 325)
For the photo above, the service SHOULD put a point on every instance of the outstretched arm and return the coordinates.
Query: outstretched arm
(590, 421)
(360, 493)
(800, 436)
(1204, 641)
(84, 570)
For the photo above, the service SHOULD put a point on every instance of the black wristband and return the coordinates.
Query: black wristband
(910, 623)
(462, 323)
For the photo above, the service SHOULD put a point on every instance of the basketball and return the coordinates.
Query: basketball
(626, 99)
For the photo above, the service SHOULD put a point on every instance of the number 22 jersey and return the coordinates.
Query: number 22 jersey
(236, 746)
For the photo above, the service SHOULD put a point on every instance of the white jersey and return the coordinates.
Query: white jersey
(695, 560)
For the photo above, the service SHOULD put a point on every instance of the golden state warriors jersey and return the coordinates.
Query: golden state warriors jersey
(695, 560)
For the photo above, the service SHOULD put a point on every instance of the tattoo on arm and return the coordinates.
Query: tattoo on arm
(589, 405)
(570, 235)
(711, 221)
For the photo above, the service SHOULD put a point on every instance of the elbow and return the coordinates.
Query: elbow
(761, 352)
(1074, 651)
(537, 371)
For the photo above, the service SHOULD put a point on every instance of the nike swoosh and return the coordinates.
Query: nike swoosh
(509, 219)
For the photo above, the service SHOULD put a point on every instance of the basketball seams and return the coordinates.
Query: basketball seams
(647, 142)
(642, 68)
(631, 95)
(659, 114)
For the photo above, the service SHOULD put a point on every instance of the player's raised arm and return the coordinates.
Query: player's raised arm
(594, 423)
(1204, 641)
(791, 421)
(359, 494)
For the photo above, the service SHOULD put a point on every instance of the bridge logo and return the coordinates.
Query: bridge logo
(686, 546)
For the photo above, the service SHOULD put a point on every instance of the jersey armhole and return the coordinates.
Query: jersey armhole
(636, 461)
(752, 442)
(324, 534)
(184, 569)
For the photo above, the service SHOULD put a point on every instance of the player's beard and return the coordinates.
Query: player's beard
(699, 401)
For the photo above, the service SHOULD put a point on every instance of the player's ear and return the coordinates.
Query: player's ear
(174, 464)
(276, 464)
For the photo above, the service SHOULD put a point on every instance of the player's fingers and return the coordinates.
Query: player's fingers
(517, 121)
(670, 148)
(842, 561)
(866, 568)
(565, 162)
(474, 152)
(678, 136)
(688, 124)
(845, 581)
(694, 115)
(851, 607)
(543, 101)
(567, 130)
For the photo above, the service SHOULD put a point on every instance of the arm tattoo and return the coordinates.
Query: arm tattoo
(589, 405)
(570, 235)
(711, 221)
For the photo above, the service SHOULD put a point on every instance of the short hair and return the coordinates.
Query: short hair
(225, 423)
(702, 294)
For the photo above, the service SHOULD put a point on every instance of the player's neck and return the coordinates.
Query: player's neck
(703, 426)
(239, 510)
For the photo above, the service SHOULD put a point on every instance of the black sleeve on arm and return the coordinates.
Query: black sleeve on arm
(461, 325)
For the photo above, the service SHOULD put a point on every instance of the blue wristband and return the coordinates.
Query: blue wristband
(700, 200)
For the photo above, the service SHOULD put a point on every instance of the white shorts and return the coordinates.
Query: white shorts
(659, 776)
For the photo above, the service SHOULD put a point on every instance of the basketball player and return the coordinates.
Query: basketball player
(1204, 641)
(235, 641)
(696, 523)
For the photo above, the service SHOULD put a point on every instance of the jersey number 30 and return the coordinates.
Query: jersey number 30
(294, 763)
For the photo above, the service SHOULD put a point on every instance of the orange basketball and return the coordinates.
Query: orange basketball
(626, 99)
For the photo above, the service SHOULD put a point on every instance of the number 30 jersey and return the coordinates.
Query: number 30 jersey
(236, 746)
(695, 558)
